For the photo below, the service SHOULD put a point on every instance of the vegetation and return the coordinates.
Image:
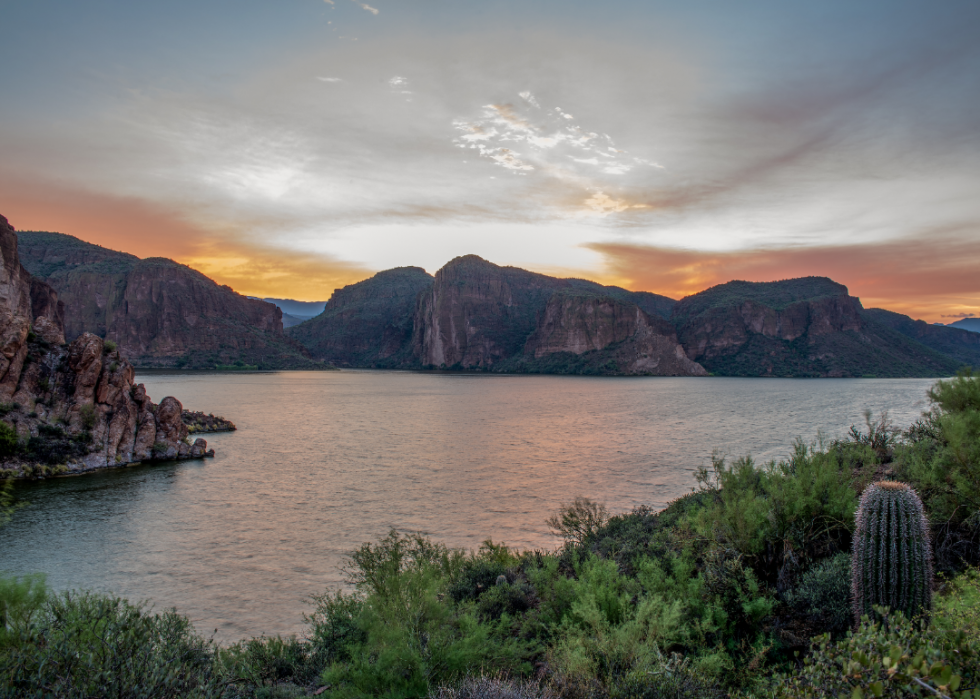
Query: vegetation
(741, 588)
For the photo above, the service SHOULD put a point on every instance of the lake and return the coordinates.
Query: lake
(324, 461)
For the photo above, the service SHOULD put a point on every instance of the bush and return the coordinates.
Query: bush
(492, 687)
(824, 593)
(894, 658)
(85, 645)
(9, 444)
(109, 346)
(21, 599)
(579, 520)
(88, 416)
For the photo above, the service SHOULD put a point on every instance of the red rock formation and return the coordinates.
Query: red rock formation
(637, 342)
(73, 406)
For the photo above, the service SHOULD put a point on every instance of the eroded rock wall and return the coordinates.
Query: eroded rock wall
(73, 406)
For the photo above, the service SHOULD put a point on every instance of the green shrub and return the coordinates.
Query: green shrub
(780, 514)
(88, 416)
(941, 460)
(578, 520)
(824, 593)
(21, 599)
(266, 662)
(109, 346)
(8, 440)
(958, 609)
(87, 645)
(891, 658)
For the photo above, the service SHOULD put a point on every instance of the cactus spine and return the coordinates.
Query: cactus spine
(892, 556)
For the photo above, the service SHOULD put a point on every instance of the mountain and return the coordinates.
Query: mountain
(160, 313)
(951, 340)
(367, 324)
(70, 407)
(797, 327)
(295, 312)
(971, 324)
(477, 315)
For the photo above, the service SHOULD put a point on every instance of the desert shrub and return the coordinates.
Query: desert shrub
(895, 657)
(941, 460)
(493, 687)
(824, 593)
(780, 514)
(9, 443)
(265, 662)
(408, 637)
(85, 645)
(88, 416)
(958, 608)
(579, 520)
(109, 346)
(21, 599)
(334, 632)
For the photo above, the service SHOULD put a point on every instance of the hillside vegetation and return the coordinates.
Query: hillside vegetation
(739, 589)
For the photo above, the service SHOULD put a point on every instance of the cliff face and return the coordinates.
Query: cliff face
(635, 342)
(367, 324)
(476, 314)
(158, 312)
(73, 407)
(799, 327)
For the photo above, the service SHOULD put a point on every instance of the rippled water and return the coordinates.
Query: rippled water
(322, 462)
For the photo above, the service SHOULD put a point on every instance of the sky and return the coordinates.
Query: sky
(290, 148)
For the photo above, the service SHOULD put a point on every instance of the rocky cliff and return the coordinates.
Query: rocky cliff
(158, 312)
(620, 336)
(70, 407)
(477, 315)
(367, 324)
(798, 327)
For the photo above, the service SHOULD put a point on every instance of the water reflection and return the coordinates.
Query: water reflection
(325, 461)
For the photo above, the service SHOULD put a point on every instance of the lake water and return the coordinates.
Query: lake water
(323, 462)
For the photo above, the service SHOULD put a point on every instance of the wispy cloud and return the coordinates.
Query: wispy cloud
(365, 6)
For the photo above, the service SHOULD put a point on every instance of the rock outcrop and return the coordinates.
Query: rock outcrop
(478, 315)
(367, 324)
(629, 338)
(73, 407)
(160, 313)
(798, 327)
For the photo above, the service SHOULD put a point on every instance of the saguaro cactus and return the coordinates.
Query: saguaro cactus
(892, 556)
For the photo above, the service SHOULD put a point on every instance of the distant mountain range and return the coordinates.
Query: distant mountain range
(295, 312)
(477, 316)
(971, 324)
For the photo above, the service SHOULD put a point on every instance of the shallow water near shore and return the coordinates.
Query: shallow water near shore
(323, 461)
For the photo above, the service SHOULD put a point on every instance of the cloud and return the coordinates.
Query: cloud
(926, 276)
(526, 137)
(365, 6)
(226, 253)
(329, 80)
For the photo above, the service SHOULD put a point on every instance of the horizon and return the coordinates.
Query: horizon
(290, 150)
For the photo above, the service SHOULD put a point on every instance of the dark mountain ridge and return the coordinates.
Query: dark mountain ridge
(479, 316)
(159, 312)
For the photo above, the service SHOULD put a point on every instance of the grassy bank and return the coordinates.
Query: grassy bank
(741, 588)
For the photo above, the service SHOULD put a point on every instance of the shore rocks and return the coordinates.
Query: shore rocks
(74, 407)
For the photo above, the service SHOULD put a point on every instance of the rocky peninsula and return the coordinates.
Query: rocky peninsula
(71, 408)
